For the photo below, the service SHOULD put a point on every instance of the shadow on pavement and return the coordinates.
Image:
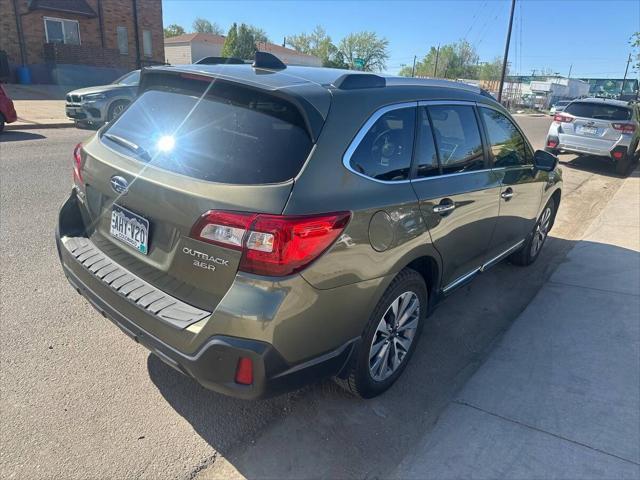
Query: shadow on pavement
(590, 163)
(328, 433)
(17, 135)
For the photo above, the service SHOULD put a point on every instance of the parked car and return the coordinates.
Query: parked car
(559, 106)
(260, 228)
(597, 126)
(7, 110)
(103, 103)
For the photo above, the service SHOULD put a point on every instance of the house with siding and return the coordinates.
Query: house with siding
(80, 42)
(191, 47)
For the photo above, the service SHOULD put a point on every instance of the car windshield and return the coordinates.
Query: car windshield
(132, 79)
(601, 111)
(224, 134)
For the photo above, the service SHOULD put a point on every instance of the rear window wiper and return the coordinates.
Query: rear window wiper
(123, 142)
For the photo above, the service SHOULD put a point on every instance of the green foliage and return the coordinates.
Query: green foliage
(259, 35)
(319, 44)
(635, 44)
(491, 70)
(239, 42)
(367, 46)
(454, 60)
(202, 25)
(173, 30)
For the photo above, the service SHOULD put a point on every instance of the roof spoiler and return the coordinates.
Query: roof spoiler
(220, 61)
(268, 60)
(354, 81)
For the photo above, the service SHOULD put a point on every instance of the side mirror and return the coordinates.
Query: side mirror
(545, 161)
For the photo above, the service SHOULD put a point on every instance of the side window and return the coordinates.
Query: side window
(506, 143)
(384, 153)
(457, 138)
(426, 156)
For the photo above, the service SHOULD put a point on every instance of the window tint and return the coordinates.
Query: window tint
(457, 137)
(131, 79)
(600, 111)
(385, 151)
(505, 141)
(426, 156)
(232, 135)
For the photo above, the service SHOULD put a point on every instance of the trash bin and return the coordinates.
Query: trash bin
(24, 75)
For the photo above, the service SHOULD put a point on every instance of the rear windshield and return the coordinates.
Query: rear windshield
(600, 111)
(220, 133)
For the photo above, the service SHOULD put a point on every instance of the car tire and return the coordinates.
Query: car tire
(1, 123)
(534, 242)
(624, 164)
(387, 341)
(115, 109)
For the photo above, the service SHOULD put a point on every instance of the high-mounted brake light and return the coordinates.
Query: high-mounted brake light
(77, 165)
(624, 127)
(272, 245)
(562, 118)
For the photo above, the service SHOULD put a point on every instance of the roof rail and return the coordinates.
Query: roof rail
(268, 60)
(354, 81)
(219, 61)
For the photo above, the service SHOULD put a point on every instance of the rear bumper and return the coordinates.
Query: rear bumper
(590, 146)
(214, 363)
(8, 111)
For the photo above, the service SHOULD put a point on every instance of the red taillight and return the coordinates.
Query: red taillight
(273, 245)
(624, 127)
(77, 164)
(552, 143)
(562, 118)
(244, 371)
(618, 154)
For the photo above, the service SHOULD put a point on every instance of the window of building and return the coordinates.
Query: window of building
(146, 43)
(384, 153)
(505, 141)
(123, 40)
(457, 138)
(59, 30)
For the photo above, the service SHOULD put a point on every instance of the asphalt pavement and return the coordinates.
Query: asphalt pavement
(79, 399)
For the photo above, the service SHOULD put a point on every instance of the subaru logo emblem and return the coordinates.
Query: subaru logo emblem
(119, 184)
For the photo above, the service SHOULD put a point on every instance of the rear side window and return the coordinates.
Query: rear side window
(227, 134)
(457, 138)
(600, 111)
(384, 153)
(505, 141)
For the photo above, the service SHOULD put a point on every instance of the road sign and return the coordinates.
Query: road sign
(358, 63)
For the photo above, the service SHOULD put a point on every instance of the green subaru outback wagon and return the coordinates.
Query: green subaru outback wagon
(259, 227)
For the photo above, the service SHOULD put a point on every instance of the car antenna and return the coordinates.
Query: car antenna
(267, 60)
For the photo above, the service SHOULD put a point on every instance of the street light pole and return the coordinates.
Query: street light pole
(435, 68)
(506, 51)
(413, 69)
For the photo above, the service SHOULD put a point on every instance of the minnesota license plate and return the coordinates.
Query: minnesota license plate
(130, 228)
(589, 130)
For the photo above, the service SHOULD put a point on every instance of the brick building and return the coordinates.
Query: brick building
(81, 42)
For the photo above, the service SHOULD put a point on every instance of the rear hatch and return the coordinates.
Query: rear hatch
(593, 121)
(186, 146)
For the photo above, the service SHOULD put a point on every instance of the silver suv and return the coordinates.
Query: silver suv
(597, 126)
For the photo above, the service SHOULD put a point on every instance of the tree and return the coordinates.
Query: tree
(202, 25)
(239, 42)
(491, 70)
(259, 35)
(173, 30)
(319, 44)
(454, 60)
(367, 46)
(635, 44)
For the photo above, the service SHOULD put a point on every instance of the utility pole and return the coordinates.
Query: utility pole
(570, 68)
(506, 51)
(626, 70)
(435, 68)
(413, 69)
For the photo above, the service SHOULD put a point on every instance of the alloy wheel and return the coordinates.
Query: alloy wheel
(394, 336)
(541, 231)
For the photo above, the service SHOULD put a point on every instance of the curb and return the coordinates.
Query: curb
(35, 126)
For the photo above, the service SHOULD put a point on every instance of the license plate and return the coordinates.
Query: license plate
(130, 228)
(588, 130)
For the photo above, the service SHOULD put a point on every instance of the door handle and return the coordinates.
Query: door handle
(444, 208)
(507, 194)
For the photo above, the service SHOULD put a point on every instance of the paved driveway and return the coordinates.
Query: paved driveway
(79, 399)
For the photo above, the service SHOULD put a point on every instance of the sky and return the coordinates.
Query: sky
(590, 37)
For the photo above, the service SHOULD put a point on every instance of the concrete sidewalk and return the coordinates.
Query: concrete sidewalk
(38, 106)
(560, 395)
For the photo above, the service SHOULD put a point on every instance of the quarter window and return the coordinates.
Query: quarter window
(58, 30)
(384, 153)
(123, 40)
(457, 138)
(507, 144)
